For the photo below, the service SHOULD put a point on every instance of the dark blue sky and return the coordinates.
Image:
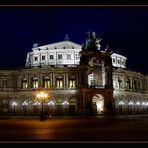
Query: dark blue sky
(124, 29)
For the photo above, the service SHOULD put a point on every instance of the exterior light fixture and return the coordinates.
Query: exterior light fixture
(65, 103)
(36, 103)
(42, 96)
(130, 103)
(51, 103)
(14, 104)
(138, 103)
(25, 103)
(121, 103)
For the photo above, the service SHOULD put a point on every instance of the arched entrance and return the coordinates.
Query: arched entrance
(98, 104)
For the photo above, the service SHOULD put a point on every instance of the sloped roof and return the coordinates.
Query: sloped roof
(60, 45)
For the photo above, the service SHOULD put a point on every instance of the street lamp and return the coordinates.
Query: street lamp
(42, 96)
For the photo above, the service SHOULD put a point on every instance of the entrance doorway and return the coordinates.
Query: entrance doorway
(98, 104)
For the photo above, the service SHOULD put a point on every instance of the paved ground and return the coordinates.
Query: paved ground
(132, 128)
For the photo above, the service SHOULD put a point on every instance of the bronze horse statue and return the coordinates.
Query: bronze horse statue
(92, 42)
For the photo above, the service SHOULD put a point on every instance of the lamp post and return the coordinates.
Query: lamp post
(42, 96)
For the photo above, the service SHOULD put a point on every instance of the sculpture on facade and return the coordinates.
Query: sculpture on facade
(92, 42)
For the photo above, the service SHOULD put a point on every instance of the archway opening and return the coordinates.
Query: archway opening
(98, 104)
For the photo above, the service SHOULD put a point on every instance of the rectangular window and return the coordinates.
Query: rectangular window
(68, 56)
(113, 60)
(72, 83)
(43, 57)
(118, 61)
(35, 58)
(76, 55)
(59, 56)
(59, 83)
(51, 57)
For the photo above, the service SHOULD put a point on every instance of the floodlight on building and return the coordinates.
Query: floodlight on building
(138, 103)
(14, 104)
(50, 103)
(65, 103)
(36, 103)
(130, 103)
(121, 103)
(25, 103)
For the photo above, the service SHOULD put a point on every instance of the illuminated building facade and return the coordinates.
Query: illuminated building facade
(77, 79)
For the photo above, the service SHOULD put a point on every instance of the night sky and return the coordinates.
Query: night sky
(124, 29)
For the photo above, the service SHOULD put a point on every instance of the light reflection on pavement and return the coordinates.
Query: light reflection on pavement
(100, 128)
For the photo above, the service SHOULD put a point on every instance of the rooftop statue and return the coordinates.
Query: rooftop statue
(35, 45)
(92, 42)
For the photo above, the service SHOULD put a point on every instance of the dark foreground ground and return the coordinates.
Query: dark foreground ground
(131, 128)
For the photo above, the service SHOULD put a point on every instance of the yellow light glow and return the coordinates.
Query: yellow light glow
(42, 95)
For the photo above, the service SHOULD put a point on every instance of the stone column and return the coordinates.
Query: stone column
(124, 82)
(29, 82)
(64, 80)
(53, 80)
(131, 83)
(39, 80)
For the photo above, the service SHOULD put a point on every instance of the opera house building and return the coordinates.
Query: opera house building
(65, 78)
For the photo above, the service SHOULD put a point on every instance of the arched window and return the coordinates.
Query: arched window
(35, 82)
(24, 83)
(128, 83)
(72, 81)
(59, 82)
(4, 83)
(46, 82)
(92, 79)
